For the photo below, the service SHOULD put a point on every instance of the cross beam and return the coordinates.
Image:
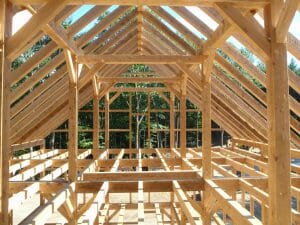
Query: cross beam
(140, 59)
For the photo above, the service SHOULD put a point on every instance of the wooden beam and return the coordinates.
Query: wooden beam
(5, 31)
(32, 27)
(183, 116)
(285, 19)
(172, 120)
(245, 25)
(72, 125)
(96, 122)
(140, 59)
(278, 124)
(206, 127)
(106, 107)
(138, 79)
(141, 176)
(85, 20)
(237, 213)
(238, 3)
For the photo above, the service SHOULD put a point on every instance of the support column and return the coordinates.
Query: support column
(73, 116)
(206, 119)
(5, 31)
(183, 118)
(149, 119)
(96, 122)
(130, 125)
(172, 120)
(278, 123)
(206, 128)
(73, 126)
(106, 105)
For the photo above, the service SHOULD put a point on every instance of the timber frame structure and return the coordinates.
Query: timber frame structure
(208, 185)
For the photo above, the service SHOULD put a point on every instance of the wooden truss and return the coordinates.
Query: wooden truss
(203, 186)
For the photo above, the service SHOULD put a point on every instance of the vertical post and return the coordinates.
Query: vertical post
(206, 127)
(183, 117)
(106, 105)
(149, 119)
(73, 115)
(278, 122)
(172, 120)
(96, 122)
(73, 125)
(206, 116)
(5, 32)
(130, 125)
(171, 208)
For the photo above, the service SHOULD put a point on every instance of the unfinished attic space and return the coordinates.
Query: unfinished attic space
(168, 112)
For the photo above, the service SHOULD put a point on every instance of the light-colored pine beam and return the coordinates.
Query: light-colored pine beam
(106, 107)
(96, 122)
(5, 152)
(125, 21)
(183, 116)
(72, 125)
(32, 27)
(142, 176)
(172, 120)
(278, 123)
(140, 59)
(158, 214)
(42, 214)
(140, 28)
(183, 30)
(285, 19)
(191, 74)
(246, 26)
(164, 29)
(91, 213)
(138, 79)
(85, 20)
(98, 28)
(206, 115)
(237, 3)
(206, 129)
(5, 24)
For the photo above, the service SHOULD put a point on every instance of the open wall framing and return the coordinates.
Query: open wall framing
(43, 87)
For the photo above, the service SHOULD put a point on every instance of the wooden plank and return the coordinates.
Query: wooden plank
(42, 213)
(172, 120)
(106, 123)
(141, 176)
(86, 19)
(245, 25)
(139, 79)
(278, 124)
(240, 3)
(72, 125)
(140, 59)
(158, 214)
(237, 213)
(96, 122)
(98, 28)
(24, 145)
(5, 31)
(183, 116)
(32, 27)
(285, 19)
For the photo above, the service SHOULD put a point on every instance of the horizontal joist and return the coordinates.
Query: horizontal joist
(140, 59)
(138, 79)
(242, 3)
(141, 176)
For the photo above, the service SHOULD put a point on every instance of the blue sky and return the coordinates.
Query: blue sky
(294, 28)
